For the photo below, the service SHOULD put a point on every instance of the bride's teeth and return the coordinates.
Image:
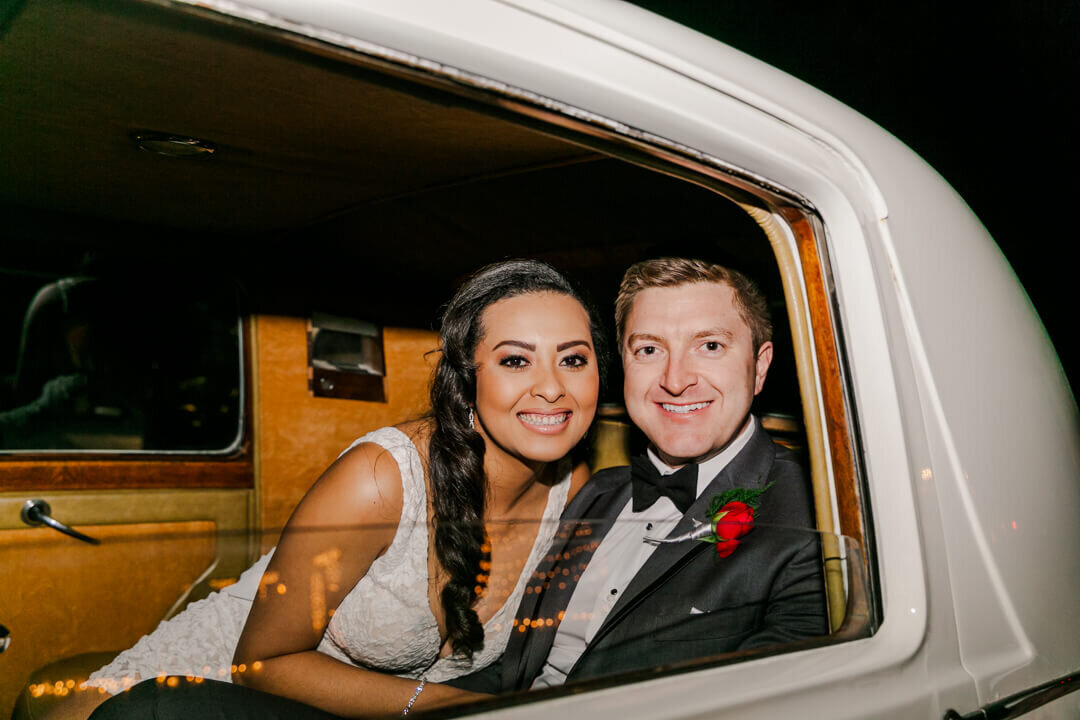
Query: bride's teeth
(681, 409)
(544, 419)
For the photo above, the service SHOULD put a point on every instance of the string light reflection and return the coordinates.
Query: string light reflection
(325, 582)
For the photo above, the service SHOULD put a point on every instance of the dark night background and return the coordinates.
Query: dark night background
(982, 92)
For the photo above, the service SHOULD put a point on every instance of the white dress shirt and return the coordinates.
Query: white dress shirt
(617, 560)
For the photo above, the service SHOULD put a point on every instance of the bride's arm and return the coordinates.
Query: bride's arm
(349, 517)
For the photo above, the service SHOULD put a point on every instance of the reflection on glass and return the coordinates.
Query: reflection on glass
(720, 620)
(118, 364)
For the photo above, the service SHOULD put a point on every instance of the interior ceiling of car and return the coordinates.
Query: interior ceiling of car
(297, 138)
(317, 164)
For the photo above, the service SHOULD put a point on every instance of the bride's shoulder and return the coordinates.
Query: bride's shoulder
(419, 433)
(363, 485)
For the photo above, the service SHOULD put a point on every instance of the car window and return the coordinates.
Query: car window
(110, 364)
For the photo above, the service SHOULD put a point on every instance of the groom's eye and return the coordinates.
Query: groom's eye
(645, 351)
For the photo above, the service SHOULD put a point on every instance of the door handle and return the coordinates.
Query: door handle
(38, 512)
(5, 638)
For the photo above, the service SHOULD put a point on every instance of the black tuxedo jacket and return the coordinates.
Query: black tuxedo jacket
(685, 602)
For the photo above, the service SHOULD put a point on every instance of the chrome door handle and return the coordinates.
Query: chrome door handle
(5, 638)
(37, 512)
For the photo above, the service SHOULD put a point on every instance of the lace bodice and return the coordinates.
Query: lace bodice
(384, 623)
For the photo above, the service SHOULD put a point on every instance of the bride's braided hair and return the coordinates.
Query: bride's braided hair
(456, 450)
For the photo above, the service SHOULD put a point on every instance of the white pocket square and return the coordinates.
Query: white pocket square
(695, 611)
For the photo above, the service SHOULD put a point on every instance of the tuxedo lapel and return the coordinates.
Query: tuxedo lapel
(577, 540)
(749, 469)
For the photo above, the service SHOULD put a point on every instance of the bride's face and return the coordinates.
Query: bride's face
(536, 376)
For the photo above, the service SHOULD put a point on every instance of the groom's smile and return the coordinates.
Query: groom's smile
(684, 409)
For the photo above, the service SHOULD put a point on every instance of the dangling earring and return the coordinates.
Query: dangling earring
(472, 420)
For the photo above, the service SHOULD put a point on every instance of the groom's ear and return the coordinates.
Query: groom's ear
(761, 365)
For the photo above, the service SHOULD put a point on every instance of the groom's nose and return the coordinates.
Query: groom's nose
(677, 375)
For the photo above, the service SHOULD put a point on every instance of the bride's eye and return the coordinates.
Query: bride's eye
(575, 361)
(514, 361)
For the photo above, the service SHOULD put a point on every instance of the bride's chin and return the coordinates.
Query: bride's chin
(554, 454)
(545, 455)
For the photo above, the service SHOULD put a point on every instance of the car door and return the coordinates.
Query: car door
(125, 469)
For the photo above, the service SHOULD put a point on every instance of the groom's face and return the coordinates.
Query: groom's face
(691, 370)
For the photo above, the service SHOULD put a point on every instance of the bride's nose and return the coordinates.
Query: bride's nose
(548, 385)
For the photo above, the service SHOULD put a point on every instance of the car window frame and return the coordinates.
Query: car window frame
(792, 222)
(809, 293)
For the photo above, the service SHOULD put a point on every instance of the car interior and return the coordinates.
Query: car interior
(227, 251)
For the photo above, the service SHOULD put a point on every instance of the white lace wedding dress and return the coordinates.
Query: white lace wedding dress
(384, 623)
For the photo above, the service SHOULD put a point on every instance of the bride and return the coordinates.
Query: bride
(407, 558)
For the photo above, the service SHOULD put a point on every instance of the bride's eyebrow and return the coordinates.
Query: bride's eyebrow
(516, 343)
(532, 348)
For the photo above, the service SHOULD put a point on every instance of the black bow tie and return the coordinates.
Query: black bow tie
(648, 484)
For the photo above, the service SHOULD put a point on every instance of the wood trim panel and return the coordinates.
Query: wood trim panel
(298, 435)
(832, 383)
(67, 474)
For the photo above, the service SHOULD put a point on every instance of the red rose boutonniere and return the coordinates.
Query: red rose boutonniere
(731, 515)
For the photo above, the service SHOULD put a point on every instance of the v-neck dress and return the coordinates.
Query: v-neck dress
(385, 623)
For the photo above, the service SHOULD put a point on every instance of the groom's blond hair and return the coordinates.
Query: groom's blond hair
(673, 272)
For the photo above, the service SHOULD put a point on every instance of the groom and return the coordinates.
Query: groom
(695, 345)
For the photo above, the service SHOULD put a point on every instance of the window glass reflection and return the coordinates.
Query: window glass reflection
(119, 365)
(729, 623)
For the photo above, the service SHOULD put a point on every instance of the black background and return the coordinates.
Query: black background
(984, 93)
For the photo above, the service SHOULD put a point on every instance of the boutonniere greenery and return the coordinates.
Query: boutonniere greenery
(731, 515)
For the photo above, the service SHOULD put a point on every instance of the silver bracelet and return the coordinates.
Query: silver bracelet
(416, 694)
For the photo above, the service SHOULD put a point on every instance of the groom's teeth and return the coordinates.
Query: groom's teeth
(680, 409)
(533, 419)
